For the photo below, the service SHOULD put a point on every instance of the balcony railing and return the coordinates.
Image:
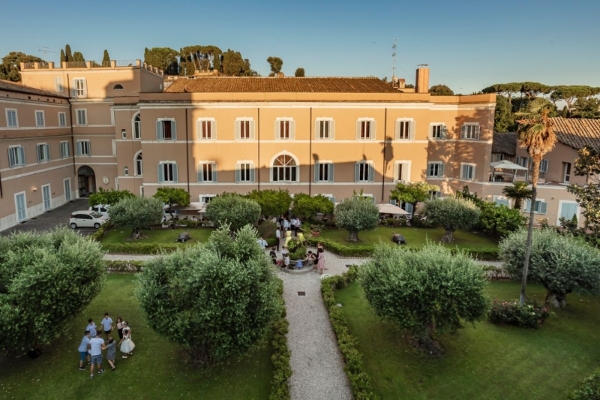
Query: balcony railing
(126, 63)
(76, 64)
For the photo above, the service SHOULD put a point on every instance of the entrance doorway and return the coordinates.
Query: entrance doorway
(87, 180)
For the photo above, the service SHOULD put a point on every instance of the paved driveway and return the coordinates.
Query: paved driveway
(56, 217)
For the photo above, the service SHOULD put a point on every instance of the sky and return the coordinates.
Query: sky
(467, 44)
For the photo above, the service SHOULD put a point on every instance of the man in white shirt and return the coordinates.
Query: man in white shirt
(278, 236)
(96, 346)
(91, 327)
(107, 325)
(262, 243)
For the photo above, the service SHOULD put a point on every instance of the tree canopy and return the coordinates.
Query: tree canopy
(424, 292)
(136, 213)
(412, 192)
(216, 299)
(163, 58)
(171, 196)
(588, 195)
(440, 90)
(233, 211)
(355, 214)
(299, 73)
(306, 206)
(108, 197)
(275, 63)
(452, 213)
(11, 65)
(273, 203)
(45, 279)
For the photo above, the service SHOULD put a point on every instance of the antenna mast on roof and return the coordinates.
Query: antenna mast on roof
(394, 60)
(44, 49)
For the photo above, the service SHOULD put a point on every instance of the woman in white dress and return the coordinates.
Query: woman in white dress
(126, 343)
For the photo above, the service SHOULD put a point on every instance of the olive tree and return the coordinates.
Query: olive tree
(424, 292)
(452, 213)
(273, 203)
(215, 299)
(171, 196)
(306, 206)
(356, 214)
(233, 211)
(46, 279)
(562, 264)
(136, 213)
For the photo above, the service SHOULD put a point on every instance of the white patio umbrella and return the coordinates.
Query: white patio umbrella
(387, 208)
(505, 164)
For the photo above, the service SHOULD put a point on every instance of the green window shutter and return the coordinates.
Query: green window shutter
(22, 153)
(214, 172)
(331, 168)
(238, 172)
(174, 130)
(527, 205)
(200, 172)
(175, 174)
(161, 177)
(356, 172)
(159, 130)
(252, 169)
(371, 173)
(542, 208)
(317, 169)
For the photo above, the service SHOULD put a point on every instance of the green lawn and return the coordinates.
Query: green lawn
(485, 361)
(157, 370)
(157, 236)
(415, 237)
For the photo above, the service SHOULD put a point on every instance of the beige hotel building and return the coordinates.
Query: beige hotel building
(71, 130)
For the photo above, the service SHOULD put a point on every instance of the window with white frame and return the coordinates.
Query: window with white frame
(139, 165)
(467, 171)
(137, 126)
(365, 129)
(43, 152)
(567, 210)
(404, 129)
(501, 201)
(123, 133)
(523, 161)
(167, 172)
(84, 148)
(284, 169)
(206, 129)
(244, 129)
(79, 89)
(329, 197)
(284, 129)
(324, 171)
(207, 171)
(21, 206)
(434, 194)
(402, 171)
(16, 156)
(81, 116)
(125, 170)
(539, 207)
(166, 129)
(206, 198)
(65, 150)
(469, 131)
(62, 119)
(39, 119)
(58, 84)
(566, 172)
(324, 129)
(364, 172)
(544, 166)
(435, 169)
(437, 131)
(244, 171)
(12, 120)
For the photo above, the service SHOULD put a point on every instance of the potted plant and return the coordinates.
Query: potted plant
(315, 230)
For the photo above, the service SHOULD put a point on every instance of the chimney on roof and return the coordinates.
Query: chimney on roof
(422, 79)
(401, 83)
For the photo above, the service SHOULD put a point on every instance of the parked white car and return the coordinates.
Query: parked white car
(100, 208)
(87, 219)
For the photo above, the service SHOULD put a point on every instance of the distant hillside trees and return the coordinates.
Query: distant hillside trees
(441, 90)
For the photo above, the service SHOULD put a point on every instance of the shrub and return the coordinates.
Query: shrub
(266, 229)
(340, 249)
(99, 234)
(136, 213)
(512, 313)
(298, 254)
(282, 371)
(273, 203)
(356, 214)
(452, 213)
(233, 211)
(589, 389)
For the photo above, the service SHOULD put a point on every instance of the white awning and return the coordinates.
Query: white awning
(505, 164)
(387, 208)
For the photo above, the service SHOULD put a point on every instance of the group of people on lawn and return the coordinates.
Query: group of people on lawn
(92, 344)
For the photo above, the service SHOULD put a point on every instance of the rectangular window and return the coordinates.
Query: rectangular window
(84, 148)
(11, 119)
(125, 171)
(65, 150)
(43, 152)
(402, 171)
(207, 172)
(497, 157)
(404, 129)
(82, 116)
(566, 172)
(364, 172)
(79, 89)
(207, 129)
(166, 129)
(324, 171)
(244, 172)
(434, 194)
(568, 210)
(167, 172)
(244, 129)
(58, 84)
(438, 131)
(501, 201)
(62, 119)
(539, 207)
(435, 170)
(21, 206)
(365, 129)
(469, 131)
(39, 119)
(285, 129)
(467, 171)
(544, 166)
(206, 198)
(324, 128)
(523, 161)
(16, 156)
(137, 129)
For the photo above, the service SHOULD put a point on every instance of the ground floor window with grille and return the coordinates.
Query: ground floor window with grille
(167, 172)
(244, 172)
(284, 169)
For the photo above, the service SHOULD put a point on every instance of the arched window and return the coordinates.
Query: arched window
(137, 127)
(284, 169)
(118, 87)
(139, 170)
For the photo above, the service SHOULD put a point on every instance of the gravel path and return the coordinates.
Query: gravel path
(129, 257)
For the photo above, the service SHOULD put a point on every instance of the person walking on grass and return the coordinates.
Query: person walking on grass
(91, 327)
(83, 350)
(107, 325)
(96, 346)
(111, 353)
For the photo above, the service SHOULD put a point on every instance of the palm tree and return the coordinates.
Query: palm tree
(517, 192)
(537, 136)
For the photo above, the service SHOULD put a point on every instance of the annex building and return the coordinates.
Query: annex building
(71, 130)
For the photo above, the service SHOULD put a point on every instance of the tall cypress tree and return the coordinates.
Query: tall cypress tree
(106, 59)
(63, 58)
(146, 52)
(68, 54)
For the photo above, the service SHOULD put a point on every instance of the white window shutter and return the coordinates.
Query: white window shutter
(252, 127)
(161, 177)
(356, 172)
(159, 131)
(174, 130)
(175, 174)
(214, 172)
(331, 172)
(397, 130)
(277, 133)
(331, 129)
(317, 170)
(85, 90)
(74, 88)
(238, 172)
(238, 130)
(477, 130)
(411, 131)
(441, 170)
(293, 130)
(252, 172)
(373, 130)
(317, 130)
(213, 131)
(371, 173)
(89, 144)
(463, 131)
(198, 130)
(542, 207)
(396, 172)
(358, 123)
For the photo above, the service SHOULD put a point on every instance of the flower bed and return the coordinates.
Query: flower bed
(512, 313)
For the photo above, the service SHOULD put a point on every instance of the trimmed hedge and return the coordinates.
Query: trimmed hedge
(124, 266)
(141, 248)
(99, 234)
(484, 254)
(282, 370)
(360, 382)
(589, 389)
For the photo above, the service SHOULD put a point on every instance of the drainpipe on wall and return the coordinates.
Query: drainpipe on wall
(385, 141)
(72, 133)
(187, 151)
(258, 135)
(310, 173)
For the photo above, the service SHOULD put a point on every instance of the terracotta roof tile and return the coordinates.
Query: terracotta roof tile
(578, 132)
(505, 143)
(20, 88)
(291, 84)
